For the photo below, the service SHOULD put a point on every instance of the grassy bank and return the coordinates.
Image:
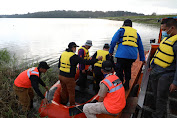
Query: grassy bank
(142, 19)
(10, 68)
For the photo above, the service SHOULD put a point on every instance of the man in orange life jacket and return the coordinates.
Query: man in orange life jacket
(84, 53)
(27, 80)
(67, 64)
(111, 95)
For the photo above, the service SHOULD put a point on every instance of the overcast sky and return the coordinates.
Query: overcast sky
(146, 7)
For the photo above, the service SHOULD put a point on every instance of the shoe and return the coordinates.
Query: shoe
(83, 90)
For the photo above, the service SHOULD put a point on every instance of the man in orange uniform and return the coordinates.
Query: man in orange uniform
(111, 95)
(27, 80)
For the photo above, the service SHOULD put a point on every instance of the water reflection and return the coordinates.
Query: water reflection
(45, 39)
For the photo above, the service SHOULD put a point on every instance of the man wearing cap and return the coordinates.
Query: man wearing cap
(83, 52)
(67, 65)
(98, 75)
(111, 95)
(129, 43)
(27, 80)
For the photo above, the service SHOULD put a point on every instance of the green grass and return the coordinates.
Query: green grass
(148, 19)
(4, 57)
(10, 68)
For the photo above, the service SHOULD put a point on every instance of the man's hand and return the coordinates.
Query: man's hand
(47, 88)
(100, 57)
(149, 69)
(110, 54)
(100, 99)
(83, 71)
(45, 101)
(173, 88)
(144, 62)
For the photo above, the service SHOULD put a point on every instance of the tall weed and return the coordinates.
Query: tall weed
(10, 68)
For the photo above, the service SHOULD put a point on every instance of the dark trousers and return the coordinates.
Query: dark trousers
(98, 76)
(82, 82)
(160, 85)
(123, 67)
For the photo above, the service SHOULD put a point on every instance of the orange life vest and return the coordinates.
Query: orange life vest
(23, 78)
(114, 100)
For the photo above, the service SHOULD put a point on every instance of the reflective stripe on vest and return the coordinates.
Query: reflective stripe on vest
(113, 86)
(109, 83)
(130, 36)
(23, 78)
(114, 100)
(102, 53)
(164, 55)
(32, 72)
(116, 88)
(65, 61)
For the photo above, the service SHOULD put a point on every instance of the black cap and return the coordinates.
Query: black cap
(128, 22)
(107, 66)
(72, 44)
(44, 65)
(106, 45)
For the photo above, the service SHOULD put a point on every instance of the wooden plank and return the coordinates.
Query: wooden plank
(131, 104)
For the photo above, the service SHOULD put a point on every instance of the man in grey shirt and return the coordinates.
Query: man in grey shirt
(163, 73)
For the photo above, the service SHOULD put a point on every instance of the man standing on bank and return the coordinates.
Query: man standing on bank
(129, 43)
(27, 80)
(163, 73)
(111, 95)
(67, 64)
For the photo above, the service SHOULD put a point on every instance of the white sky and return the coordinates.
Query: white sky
(146, 7)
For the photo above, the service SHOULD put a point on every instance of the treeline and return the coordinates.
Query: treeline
(72, 14)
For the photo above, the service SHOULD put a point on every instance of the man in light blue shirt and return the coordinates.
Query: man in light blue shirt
(129, 44)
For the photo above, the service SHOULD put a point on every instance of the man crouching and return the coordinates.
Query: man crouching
(26, 82)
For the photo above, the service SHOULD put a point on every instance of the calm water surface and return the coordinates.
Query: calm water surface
(45, 39)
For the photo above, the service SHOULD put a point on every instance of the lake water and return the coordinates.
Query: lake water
(43, 39)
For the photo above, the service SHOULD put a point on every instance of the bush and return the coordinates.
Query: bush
(10, 68)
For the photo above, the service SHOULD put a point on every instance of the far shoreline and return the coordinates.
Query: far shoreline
(148, 19)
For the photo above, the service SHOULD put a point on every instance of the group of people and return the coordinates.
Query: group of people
(109, 86)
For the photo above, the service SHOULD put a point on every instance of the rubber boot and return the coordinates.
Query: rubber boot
(31, 104)
(126, 85)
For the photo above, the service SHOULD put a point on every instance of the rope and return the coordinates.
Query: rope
(79, 109)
